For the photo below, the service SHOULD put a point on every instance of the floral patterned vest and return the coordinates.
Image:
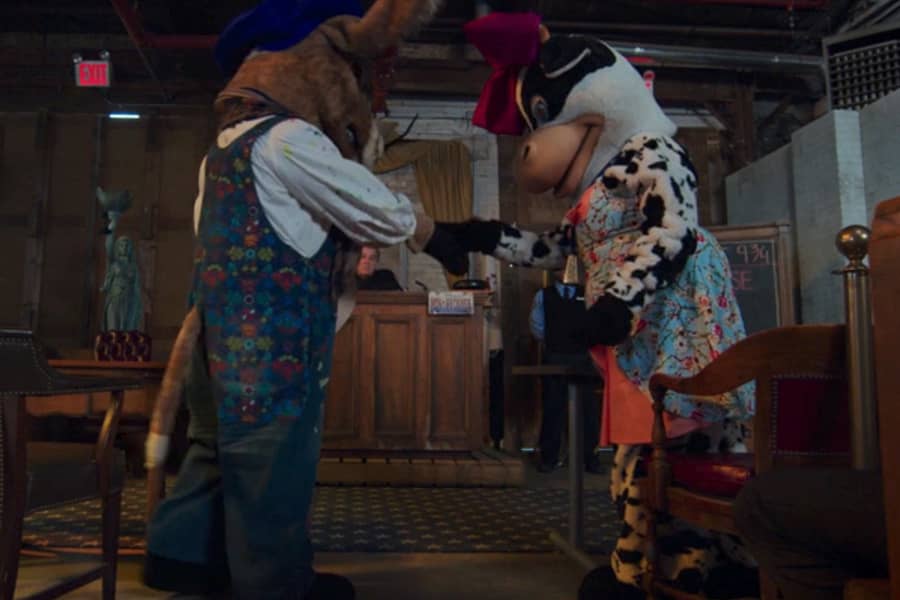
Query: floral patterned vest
(269, 315)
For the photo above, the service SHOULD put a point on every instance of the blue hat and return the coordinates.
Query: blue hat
(276, 25)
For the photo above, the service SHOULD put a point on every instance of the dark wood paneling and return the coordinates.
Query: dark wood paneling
(394, 375)
(17, 172)
(71, 197)
(181, 144)
(53, 256)
(342, 416)
(704, 146)
(404, 380)
(449, 392)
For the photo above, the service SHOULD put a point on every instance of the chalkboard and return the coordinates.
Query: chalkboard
(762, 273)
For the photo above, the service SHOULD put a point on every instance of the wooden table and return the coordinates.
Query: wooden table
(138, 404)
(573, 544)
(28, 383)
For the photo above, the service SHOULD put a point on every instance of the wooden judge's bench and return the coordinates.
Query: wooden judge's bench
(408, 397)
(402, 379)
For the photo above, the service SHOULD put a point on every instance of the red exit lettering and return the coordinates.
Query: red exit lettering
(92, 73)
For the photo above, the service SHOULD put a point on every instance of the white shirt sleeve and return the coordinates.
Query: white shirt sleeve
(305, 186)
(342, 192)
(198, 203)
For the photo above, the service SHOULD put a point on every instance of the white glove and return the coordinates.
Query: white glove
(156, 450)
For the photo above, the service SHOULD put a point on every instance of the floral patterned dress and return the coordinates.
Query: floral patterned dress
(631, 231)
(686, 326)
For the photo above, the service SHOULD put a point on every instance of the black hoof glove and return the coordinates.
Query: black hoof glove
(607, 323)
(444, 248)
(328, 586)
(601, 584)
(474, 235)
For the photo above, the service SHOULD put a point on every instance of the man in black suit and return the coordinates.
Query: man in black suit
(368, 277)
(556, 314)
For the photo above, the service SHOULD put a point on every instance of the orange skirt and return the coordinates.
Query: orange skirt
(627, 415)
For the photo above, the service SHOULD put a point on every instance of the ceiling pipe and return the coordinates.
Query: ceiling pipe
(641, 55)
(138, 38)
(181, 42)
(600, 28)
(714, 58)
(785, 4)
(872, 16)
(730, 32)
(143, 39)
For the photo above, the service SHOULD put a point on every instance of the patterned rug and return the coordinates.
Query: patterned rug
(377, 519)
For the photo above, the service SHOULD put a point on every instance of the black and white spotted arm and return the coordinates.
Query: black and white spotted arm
(546, 250)
(656, 170)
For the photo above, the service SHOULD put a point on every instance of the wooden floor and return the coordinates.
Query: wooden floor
(384, 577)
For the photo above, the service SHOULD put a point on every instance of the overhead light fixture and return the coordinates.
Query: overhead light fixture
(124, 115)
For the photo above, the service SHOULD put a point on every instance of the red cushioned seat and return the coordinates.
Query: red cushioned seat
(712, 474)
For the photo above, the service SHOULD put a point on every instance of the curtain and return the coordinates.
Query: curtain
(443, 178)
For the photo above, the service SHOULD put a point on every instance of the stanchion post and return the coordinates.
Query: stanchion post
(853, 244)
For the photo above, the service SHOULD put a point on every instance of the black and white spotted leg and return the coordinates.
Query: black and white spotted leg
(687, 554)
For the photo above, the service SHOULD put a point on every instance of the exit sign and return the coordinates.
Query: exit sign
(92, 73)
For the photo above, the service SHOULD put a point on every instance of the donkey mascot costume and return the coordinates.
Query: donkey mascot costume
(285, 196)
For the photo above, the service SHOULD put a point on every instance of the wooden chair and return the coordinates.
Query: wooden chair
(40, 475)
(800, 375)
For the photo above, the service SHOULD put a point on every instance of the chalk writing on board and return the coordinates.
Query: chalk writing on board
(749, 261)
(753, 277)
(760, 271)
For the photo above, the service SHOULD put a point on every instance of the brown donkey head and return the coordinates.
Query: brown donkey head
(327, 78)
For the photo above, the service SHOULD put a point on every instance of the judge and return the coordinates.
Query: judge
(369, 277)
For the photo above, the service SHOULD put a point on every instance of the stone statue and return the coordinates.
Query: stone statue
(123, 305)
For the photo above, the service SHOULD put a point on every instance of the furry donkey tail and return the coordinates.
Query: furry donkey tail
(169, 396)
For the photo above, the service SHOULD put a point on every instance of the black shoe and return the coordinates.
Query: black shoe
(328, 586)
(732, 581)
(601, 584)
(594, 465)
(187, 578)
(543, 467)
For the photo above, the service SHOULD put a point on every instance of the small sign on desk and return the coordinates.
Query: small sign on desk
(450, 303)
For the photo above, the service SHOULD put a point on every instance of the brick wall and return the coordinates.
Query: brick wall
(444, 120)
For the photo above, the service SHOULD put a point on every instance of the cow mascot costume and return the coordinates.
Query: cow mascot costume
(658, 286)
(285, 196)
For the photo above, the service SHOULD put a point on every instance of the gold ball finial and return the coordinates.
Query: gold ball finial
(853, 242)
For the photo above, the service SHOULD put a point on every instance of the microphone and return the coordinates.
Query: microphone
(421, 285)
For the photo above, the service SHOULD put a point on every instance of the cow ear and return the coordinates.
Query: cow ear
(560, 54)
(388, 22)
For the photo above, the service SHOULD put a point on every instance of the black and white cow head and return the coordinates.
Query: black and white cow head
(583, 101)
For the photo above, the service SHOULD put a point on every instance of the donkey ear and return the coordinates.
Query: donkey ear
(387, 22)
